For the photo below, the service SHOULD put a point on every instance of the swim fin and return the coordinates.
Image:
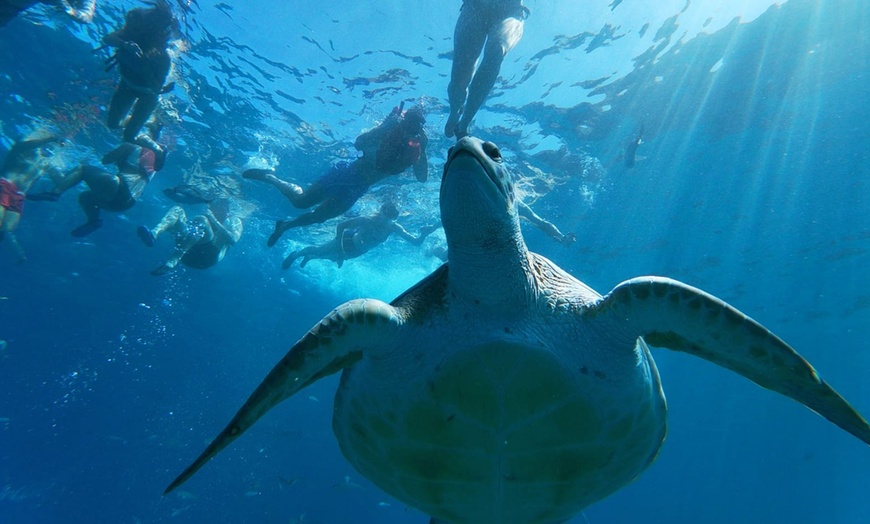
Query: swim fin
(87, 228)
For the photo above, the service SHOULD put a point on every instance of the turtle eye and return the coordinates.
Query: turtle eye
(492, 151)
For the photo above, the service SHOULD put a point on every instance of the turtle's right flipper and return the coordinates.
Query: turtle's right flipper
(336, 342)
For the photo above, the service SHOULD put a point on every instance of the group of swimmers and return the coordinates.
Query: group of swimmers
(399, 143)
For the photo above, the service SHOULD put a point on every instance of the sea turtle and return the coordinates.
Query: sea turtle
(500, 389)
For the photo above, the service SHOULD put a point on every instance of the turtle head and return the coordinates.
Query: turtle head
(477, 194)
(478, 209)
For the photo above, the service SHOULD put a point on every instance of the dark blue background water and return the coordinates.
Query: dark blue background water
(752, 183)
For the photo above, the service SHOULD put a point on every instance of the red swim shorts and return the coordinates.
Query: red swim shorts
(10, 197)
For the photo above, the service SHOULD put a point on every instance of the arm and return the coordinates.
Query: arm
(421, 167)
(425, 231)
(231, 233)
(119, 39)
(163, 65)
(26, 146)
(20, 153)
(547, 227)
(83, 15)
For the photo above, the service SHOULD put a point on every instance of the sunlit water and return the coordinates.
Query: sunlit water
(751, 182)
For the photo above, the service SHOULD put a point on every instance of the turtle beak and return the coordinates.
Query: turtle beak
(467, 156)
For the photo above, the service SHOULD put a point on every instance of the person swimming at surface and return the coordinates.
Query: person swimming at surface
(356, 236)
(109, 191)
(200, 242)
(82, 12)
(389, 149)
(143, 62)
(26, 161)
(493, 27)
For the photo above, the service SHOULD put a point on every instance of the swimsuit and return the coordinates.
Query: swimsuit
(10, 197)
(123, 199)
(203, 256)
(348, 246)
(147, 162)
(499, 10)
(339, 188)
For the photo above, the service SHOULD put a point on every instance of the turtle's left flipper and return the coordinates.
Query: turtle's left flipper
(337, 341)
(673, 315)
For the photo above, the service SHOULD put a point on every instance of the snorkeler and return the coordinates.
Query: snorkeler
(82, 12)
(356, 236)
(200, 242)
(112, 192)
(25, 162)
(493, 27)
(143, 62)
(389, 149)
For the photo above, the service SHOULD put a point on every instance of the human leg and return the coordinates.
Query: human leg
(174, 219)
(300, 198)
(103, 187)
(119, 106)
(142, 109)
(71, 179)
(293, 192)
(501, 39)
(338, 190)
(330, 208)
(329, 251)
(468, 40)
(8, 222)
(187, 234)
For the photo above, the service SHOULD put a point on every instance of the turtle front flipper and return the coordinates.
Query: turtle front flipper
(673, 315)
(336, 342)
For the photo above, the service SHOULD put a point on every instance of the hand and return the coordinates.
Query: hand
(428, 229)
(132, 47)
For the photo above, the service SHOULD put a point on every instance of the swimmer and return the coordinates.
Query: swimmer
(200, 242)
(357, 236)
(109, 191)
(26, 161)
(143, 62)
(389, 149)
(493, 27)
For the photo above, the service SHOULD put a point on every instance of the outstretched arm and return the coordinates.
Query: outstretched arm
(118, 39)
(421, 167)
(425, 231)
(336, 342)
(544, 225)
(26, 146)
(230, 231)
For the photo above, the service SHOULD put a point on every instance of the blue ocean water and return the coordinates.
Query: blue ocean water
(751, 182)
